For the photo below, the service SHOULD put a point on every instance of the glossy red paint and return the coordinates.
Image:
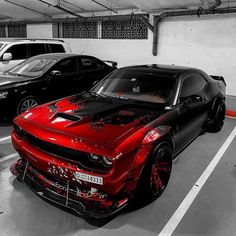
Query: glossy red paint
(120, 143)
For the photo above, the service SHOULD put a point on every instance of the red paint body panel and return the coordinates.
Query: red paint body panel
(113, 181)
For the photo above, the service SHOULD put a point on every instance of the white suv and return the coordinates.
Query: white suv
(14, 51)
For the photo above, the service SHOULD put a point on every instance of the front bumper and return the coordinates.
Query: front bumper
(63, 194)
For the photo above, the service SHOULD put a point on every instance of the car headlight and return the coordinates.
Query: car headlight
(100, 159)
(94, 157)
(107, 161)
(3, 94)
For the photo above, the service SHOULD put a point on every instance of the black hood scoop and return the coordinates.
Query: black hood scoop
(66, 116)
(99, 111)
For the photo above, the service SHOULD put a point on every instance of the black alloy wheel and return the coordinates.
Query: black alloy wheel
(156, 174)
(219, 118)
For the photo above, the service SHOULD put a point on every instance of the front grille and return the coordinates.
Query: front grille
(77, 199)
(80, 158)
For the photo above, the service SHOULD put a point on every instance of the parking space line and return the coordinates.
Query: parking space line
(2, 159)
(188, 200)
(5, 138)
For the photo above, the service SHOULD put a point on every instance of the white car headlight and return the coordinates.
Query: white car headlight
(3, 94)
(101, 159)
(94, 157)
(107, 161)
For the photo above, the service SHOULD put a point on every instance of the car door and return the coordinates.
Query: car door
(63, 78)
(193, 111)
(92, 70)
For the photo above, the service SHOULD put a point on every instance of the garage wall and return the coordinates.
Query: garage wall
(208, 42)
(125, 52)
(39, 31)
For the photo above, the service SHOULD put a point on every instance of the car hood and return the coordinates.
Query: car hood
(94, 118)
(6, 79)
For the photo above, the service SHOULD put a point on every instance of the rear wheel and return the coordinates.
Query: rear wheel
(156, 173)
(219, 118)
(26, 103)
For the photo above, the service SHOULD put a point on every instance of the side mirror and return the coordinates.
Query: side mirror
(7, 56)
(55, 73)
(113, 63)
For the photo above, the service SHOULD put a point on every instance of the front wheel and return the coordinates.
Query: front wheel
(26, 103)
(156, 173)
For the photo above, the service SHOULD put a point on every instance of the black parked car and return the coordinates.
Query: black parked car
(47, 77)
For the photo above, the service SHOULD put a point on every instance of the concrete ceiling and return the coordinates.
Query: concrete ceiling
(26, 9)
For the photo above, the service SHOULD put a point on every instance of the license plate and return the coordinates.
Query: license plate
(89, 178)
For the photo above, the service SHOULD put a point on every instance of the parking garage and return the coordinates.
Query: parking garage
(200, 196)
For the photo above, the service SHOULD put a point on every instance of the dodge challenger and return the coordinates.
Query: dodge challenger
(97, 151)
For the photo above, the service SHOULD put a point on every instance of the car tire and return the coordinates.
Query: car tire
(219, 118)
(27, 103)
(155, 175)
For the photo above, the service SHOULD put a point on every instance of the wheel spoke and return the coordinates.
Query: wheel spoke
(163, 169)
(28, 104)
(162, 166)
(158, 182)
(160, 172)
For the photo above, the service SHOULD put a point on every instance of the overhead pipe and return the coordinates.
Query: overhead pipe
(58, 6)
(201, 11)
(146, 22)
(110, 9)
(73, 5)
(68, 11)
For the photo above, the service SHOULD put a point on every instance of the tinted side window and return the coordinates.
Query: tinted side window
(18, 51)
(90, 64)
(56, 48)
(67, 66)
(36, 49)
(192, 85)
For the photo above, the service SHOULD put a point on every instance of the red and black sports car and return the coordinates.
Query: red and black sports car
(95, 151)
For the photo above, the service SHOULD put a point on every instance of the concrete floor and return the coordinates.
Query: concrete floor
(213, 212)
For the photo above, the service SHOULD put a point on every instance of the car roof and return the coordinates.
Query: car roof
(58, 56)
(163, 69)
(27, 40)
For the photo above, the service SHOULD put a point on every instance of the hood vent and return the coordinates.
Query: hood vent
(67, 116)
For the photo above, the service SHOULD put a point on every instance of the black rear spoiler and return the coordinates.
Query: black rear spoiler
(220, 78)
(113, 63)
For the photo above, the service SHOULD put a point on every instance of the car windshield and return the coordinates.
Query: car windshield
(32, 67)
(141, 85)
(1, 44)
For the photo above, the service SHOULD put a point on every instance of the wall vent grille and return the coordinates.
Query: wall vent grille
(79, 29)
(124, 29)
